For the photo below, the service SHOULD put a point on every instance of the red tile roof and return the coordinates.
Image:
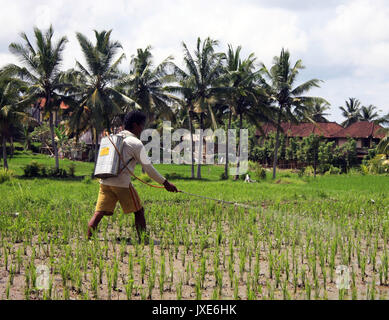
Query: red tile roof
(42, 103)
(304, 129)
(361, 129)
(63, 106)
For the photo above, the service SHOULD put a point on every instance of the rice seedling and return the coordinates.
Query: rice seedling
(129, 288)
(198, 287)
(236, 288)
(179, 289)
(294, 243)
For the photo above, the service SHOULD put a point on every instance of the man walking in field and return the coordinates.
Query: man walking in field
(120, 188)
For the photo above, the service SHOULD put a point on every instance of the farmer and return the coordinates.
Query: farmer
(120, 188)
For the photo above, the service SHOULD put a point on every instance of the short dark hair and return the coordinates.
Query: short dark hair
(132, 117)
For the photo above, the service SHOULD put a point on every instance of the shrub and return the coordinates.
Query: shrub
(252, 165)
(5, 175)
(260, 172)
(354, 171)
(87, 180)
(364, 169)
(72, 169)
(379, 165)
(172, 175)
(57, 173)
(323, 168)
(223, 176)
(309, 171)
(301, 172)
(33, 169)
(333, 170)
(43, 170)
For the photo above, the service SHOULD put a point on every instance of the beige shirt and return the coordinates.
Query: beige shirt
(133, 149)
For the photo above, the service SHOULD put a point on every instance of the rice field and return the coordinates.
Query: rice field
(290, 245)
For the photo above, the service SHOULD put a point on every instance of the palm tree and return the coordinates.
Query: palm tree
(99, 100)
(244, 96)
(369, 113)
(315, 113)
(42, 72)
(186, 90)
(352, 112)
(383, 146)
(145, 85)
(198, 85)
(11, 110)
(287, 99)
(205, 68)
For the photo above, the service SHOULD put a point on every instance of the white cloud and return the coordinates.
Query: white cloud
(345, 43)
(359, 36)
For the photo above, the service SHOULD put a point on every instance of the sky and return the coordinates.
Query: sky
(344, 43)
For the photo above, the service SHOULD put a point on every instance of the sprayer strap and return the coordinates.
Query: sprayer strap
(126, 167)
(128, 162)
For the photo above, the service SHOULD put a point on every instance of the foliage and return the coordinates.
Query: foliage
(289, 102)
(72, 169)
(57, 173)
(145, 85)
(260, 173)
(87, 180)
(94, 86)
(345, 156)
(39, 170)
(223, 176)
(41, 71)
(34, 169)
(42, 134)
(5, 175)
(379, 164)
(333, 170)
(352, 112)
(309, 171)
(172, 175)
(383, 146)
(287, 244)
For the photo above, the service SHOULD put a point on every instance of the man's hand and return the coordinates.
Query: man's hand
(170, 187)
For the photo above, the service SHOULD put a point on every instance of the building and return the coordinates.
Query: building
(364, 132)
(37, 112)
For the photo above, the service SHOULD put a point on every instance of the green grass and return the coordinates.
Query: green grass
(298, 232)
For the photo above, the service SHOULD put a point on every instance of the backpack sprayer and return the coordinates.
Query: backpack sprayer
(109, 161)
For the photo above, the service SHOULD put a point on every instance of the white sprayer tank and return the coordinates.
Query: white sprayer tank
(108, 160)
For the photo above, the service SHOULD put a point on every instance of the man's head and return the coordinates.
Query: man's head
(134, 122)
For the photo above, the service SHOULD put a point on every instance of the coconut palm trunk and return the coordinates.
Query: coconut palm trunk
(191, 144)
(95, 143)
(96, 132)
(240, 128)
(227, 140)
(5, 152)
(277, 143)
(200, 148)
(12, 147)
(53, 143)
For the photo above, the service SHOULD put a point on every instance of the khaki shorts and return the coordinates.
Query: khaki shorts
(109, 196)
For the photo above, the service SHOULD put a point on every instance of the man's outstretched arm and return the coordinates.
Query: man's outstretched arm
(147, 166)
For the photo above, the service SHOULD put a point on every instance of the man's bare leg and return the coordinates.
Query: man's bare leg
(94, 222)
(140, 223)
